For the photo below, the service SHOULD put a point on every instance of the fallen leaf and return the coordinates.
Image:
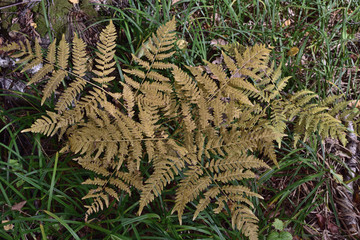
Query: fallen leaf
(218, 41)
(293, 51)
(321, 221)
(18, 206)
(181, 44)
(286, 23)
(7, 227)
(333, 228)
(337, 177)
(218, 60)
(291, 12)
(355, 103)
(74, 1)
(356, 197)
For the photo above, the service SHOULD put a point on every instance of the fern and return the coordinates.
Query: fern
(305, 110)
(186, 125)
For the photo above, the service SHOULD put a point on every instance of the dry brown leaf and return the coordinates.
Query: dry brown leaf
(182, 44)
(7, 227)
(321, 221)
(218, 60)
(293, 51)
(355, 103)
(218, 41)
(18, 206)
(333, 228)
(286, 23)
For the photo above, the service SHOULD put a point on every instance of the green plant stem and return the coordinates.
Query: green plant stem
(46, 19)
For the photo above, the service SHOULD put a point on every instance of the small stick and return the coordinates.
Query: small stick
(19, 3)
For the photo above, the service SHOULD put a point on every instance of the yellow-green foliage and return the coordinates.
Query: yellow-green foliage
(179, 120)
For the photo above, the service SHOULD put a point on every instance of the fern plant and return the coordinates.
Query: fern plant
(303, 109)
(221, 122)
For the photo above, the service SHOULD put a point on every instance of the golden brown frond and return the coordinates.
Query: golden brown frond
(37, 58)
(76, 87)
(105, 55)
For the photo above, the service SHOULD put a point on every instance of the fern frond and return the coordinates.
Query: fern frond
(79, 56)
(76, 87)
(235, 161)
(95, 181)
(51, 53)
(105, 55)
(240, 190)
(53, 83)
(206, 130)
(163, 175)
(162, 65)
(188, 192)
(255, 57)
(93, 165)
(98, 197)
(37, 58)
(230, 175)
(120, 185)
(206, 83)
(205, 201)
(150, 88)
(244, 220)
(13, 46)
(144, 64)
(188, 88)
(189, 122)
(46, 69)
(129, 99)
(135, 72)
(46, 125)
(25, 50)
(70, 94)
(148, 118)
(219, 73)
(63, 54)
(164, 39)
(157, 76)
(132, 178)
(278, 118)
(205, 117)
(303, 96)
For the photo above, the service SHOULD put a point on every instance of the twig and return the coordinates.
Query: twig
(19, 3)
